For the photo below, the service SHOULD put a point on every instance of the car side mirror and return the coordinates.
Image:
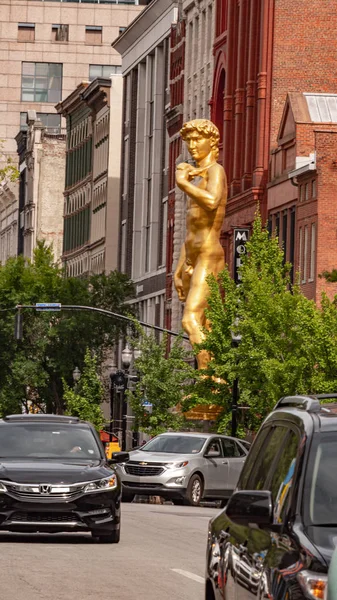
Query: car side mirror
(213, 454)
(251, 507)
(119, 457)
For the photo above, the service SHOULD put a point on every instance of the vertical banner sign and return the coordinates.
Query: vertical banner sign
(240, 238)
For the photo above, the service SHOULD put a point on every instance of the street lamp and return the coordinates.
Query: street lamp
(119, 383)
(76, 375)
(236, 340)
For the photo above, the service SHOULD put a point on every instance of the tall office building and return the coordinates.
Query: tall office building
(46, 49)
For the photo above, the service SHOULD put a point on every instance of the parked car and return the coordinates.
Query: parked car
(54, 477)
(276, 536)
(184, 467)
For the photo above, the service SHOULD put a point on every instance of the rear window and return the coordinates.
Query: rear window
(47, 441)
(175, 444)
(320, 493)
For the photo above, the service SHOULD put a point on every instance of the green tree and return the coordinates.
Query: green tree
(55, 342)
(164, 377)
(9, 173)
(288, 344)
(84, 400)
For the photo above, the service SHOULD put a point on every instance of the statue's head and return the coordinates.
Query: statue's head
(199, 130)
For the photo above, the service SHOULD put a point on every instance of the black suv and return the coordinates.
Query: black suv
(54, 477)
(276, 536)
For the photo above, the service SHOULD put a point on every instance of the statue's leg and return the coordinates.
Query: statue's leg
(194, 319)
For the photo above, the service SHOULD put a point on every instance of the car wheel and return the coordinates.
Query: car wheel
(127, 497)
(112, 537)
(194, 491)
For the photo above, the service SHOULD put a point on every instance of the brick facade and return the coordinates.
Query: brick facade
(264, 49)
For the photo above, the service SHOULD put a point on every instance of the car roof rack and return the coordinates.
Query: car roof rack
(308, 403)
(43, 417)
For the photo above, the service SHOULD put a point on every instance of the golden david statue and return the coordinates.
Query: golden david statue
(202, 253)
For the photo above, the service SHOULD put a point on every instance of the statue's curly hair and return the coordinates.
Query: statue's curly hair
(205, 128)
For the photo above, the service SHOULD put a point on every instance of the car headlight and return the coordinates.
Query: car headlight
(313, 584)
(2, 487)
(103, 485)
(176, 465)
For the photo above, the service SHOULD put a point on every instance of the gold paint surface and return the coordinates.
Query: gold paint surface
(205, 186)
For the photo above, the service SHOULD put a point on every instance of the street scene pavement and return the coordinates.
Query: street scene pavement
(161, 555)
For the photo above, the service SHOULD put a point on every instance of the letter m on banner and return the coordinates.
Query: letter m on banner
(241, 237)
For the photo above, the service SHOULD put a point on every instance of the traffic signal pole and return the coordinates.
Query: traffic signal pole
(56, 307)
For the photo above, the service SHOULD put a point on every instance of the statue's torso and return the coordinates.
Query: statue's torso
(203, 227)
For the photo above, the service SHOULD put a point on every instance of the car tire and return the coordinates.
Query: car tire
(127, 497)
(194, 491)
(112, 537)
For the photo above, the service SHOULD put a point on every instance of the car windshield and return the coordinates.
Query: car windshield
(322, 505)
(47, 441)
(175, 444)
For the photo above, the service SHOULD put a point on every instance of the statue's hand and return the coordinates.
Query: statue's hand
(182, 173)
(179, 287)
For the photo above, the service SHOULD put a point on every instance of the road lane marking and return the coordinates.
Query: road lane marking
(189, 575)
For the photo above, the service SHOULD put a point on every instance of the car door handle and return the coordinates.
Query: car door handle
(225, 462)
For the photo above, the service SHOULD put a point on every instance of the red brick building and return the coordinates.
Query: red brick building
(264, 49)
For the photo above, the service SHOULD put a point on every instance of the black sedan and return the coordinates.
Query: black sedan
(54, 477)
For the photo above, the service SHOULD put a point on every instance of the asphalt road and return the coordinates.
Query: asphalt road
(161, 556)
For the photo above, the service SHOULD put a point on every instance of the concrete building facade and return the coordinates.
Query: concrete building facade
(46, 48)
(93, 115)
(42, 166)
(145, 48)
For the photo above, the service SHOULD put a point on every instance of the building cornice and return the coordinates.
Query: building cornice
(72, 101)
(141, 24)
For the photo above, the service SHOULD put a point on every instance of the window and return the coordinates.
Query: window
(277, 224)
(259, 472)
(292, 243)
(252, 456)
(305, 255)
(307, 191)
(93, 35)
(320, 492)
(313, 188)
(60, 33)
(284, 234)
(50, 120)
(300, 251)
(41, 82)
(214, 447)
(283, 472)
(26, 32)
(231, 449)
(103, 71)
(312, 252)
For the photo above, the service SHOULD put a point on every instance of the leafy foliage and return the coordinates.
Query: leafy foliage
(54, 342)
(84, 400)
(288, 344)
(164, 377)
(9, 173)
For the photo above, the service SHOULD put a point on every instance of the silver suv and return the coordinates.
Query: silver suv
(184, 467)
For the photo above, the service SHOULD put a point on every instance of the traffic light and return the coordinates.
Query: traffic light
(119, 380)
